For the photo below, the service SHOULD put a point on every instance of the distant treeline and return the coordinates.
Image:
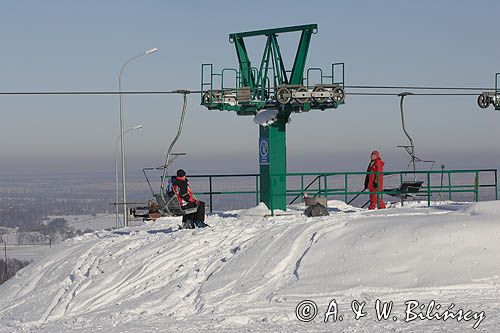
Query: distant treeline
(27, 214)
(54, 231)
(13, 266)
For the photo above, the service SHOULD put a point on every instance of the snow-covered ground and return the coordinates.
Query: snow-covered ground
(249, 272)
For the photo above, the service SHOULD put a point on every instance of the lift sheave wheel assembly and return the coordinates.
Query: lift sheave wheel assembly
(488, 98)
(272, 85)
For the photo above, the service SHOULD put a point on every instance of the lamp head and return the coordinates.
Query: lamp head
(153, 50)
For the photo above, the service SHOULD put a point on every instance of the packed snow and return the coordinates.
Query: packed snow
(249, 271)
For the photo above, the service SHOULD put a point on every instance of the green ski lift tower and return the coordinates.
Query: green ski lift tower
(275, 90)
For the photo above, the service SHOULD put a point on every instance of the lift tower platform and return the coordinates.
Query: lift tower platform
(272, 87)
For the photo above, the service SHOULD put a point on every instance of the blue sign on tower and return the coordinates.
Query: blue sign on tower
(263, 151)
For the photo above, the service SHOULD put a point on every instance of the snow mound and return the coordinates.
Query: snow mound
(486, 209)
(334, 206)
(258, 211)
(249, 271)
(342, 206)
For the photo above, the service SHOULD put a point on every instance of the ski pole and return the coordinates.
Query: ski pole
(357, 195)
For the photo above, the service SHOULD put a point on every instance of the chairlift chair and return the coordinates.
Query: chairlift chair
(408, 189)
(172, 206)
(161, 205)
(165, 204)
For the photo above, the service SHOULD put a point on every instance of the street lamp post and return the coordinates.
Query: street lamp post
(122, 147)
(116, 171)
(5, 256)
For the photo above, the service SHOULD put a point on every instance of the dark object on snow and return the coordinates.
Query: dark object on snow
(189, 224)
(150, 212)
(316, 210)
(200, 224)
(309, 201)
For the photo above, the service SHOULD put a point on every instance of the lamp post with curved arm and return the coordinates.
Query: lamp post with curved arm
(122, 147)
(116, 171)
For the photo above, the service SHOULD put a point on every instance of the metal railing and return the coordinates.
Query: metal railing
(446, 184)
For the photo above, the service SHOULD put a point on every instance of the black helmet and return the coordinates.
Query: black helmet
(181, 173)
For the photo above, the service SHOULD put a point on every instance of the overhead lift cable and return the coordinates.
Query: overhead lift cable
(164, 92)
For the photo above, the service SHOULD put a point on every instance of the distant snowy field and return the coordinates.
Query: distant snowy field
(82, 222)
(250, 271)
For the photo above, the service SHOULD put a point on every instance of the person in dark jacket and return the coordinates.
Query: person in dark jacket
(186, 198)
(375, 182)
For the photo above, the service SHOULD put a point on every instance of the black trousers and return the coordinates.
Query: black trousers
(199, 215)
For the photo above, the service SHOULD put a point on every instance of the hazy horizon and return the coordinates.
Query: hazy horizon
(82, 45)
(396, 159)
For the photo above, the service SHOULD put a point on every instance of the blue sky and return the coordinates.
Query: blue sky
(81, 45)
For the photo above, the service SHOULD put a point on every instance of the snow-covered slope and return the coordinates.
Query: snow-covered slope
(250, 271)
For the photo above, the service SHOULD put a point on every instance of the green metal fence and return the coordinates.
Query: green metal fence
(446, 184)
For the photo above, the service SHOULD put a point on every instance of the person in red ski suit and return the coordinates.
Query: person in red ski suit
(375, 182)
